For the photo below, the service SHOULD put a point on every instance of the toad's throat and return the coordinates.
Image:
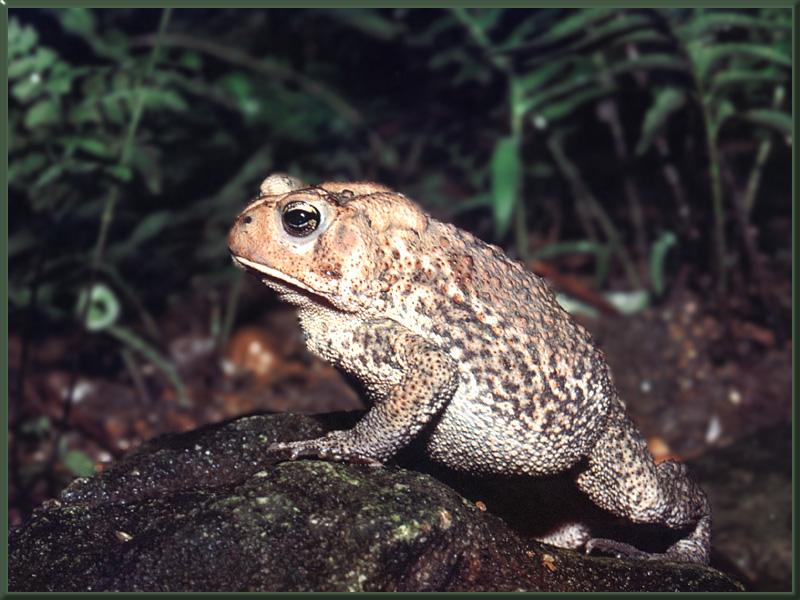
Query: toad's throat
(287, 286)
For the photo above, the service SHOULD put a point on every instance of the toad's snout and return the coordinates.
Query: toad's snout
(247, 229)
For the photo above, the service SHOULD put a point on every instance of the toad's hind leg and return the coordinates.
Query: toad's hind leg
(622, 478)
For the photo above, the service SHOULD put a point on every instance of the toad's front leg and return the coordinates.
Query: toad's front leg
(429, 380)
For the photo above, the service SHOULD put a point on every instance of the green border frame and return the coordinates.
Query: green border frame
(6, 4)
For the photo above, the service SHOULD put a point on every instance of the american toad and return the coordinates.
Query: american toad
(445, 330)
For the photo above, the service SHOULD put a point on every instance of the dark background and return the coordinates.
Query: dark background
(639, 159)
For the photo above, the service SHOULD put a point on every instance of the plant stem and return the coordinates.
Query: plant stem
(717, 205)
(128, 144)
(582, 195)
(719, 252)
(607, 112)
(136, 376)
(753, 182)
(764, 150)
(230, 310)
(134, 342)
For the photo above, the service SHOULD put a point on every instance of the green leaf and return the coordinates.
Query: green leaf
(571, 247)
(443, 58)
(658, 254)
(145, 160)
(621, 25)
(121, 172)
(113, 109)
(26, 166)
(44, 112)
(628, 303)
(772, 119)
(80, 21)
(724, 110)
(239, 84)
(32, 64)
(650, 62)
(506, 172)
(640, 36)
(478, 201)
(103, 310)
(667, 101)
(426, 37)
(20, 242)
(565, 89)
(90, 145)
(365, 20)
(541, 170)
(564, 108)
(79, 463)
(576, 307)
(706, 57)
(149, 227)
(191, 60)
(27, 89)
(538, 77)
(37, 427)
(59, 80)
(713, 21)
(20, 39)
(578, 22)
(165, 99)
(49, 174)
(486, 18)
(742, 77)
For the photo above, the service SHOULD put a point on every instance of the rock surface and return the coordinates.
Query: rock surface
(206, 511)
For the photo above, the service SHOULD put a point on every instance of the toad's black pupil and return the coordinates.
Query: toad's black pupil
(298, 217)
(300, 220)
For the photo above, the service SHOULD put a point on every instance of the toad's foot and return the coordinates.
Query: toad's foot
(325, 448)
(618, 549)
(682, 551)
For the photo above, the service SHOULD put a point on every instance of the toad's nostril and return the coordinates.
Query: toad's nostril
(247, 220)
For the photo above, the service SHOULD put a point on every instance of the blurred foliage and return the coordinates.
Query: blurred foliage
(136, 136)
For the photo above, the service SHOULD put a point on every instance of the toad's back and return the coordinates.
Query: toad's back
(533, 388)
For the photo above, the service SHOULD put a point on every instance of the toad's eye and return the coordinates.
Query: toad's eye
(300, 218)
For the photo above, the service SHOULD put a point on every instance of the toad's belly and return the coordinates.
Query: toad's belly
(481, 435)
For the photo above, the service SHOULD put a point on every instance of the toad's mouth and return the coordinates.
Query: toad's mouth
(287, 286)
